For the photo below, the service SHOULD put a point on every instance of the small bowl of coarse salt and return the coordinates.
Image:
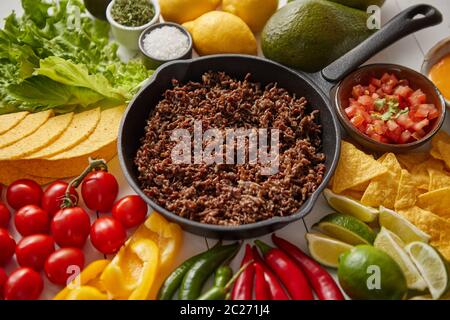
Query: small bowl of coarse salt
(164, 42)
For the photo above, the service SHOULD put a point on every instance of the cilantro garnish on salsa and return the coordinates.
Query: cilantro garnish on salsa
(388, 110)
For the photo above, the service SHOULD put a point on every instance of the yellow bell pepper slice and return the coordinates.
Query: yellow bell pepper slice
(86, 293)
(89, 276)
(131, 273)
(138, 269)
(168, 236)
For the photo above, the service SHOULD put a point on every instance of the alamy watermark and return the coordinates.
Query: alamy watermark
(228, 146)
(374, 20)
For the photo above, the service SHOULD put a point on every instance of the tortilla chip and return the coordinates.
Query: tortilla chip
(382, 190)
(27, 126)
(9, 121)
(355, 168)
(435, 226)
(437, 201)
(356, 195)
(360, 187)
(421, 175)
(81, 127)
(438, 179)
(409, 160)
(441, 146)
(407, 192)
(45, 135)
(381, 159)
(9, 174)
(100, 144)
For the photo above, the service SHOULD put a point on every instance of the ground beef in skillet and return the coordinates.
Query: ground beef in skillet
(226, 194)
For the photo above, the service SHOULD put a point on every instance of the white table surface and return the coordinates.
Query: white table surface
(408, 52)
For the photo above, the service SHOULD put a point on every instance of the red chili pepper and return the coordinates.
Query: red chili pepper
(277, 291)
(321, 281)
(243, 286)
(262, 290)
(287, 270)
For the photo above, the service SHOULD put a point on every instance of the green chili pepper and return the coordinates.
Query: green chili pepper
(173, 281)
(222, 283)
(202, 269)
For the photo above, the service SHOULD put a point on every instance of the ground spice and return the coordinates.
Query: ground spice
(132, 13)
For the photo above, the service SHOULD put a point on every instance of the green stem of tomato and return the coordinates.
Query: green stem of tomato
(94, 164)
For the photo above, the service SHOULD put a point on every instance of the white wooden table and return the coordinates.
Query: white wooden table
(408, 52)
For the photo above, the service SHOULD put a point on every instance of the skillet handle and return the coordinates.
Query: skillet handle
(398, 27)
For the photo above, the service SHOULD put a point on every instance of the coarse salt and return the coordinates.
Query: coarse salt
(166, 43)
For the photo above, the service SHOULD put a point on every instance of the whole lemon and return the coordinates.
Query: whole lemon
(221, 32)
(180, 11)
(254, 12)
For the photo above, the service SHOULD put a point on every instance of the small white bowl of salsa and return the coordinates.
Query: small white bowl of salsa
(436, 66)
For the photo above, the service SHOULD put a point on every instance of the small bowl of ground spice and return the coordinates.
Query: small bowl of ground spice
(128, 18)
(164, 42)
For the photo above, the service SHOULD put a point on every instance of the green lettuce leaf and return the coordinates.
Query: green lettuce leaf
(53, 57)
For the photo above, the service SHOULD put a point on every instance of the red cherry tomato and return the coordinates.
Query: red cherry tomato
(7, 246)
(33, 251)
(4, 215)
(130, 211)
(64, 263)
(99, 191)
(3, 278)
(23, 284)
(32, 220)
(107, 235)
(70, 227)
(54, 194)
(23, 192)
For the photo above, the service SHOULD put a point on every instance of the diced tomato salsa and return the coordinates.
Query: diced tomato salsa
(388, 110)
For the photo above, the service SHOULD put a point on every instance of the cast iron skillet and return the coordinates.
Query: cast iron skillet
(315, 87)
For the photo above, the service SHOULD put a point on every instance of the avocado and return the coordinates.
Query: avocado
(310, 34)
(358, 4)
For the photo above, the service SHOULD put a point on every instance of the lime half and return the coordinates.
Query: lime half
(393, 246)
(346, 228)
(346, 205)
(401, 226)
(326, 250)
(431, 266)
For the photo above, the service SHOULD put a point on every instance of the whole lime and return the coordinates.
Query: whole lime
(367, 273)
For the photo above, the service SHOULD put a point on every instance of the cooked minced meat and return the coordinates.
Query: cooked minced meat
(226, 194)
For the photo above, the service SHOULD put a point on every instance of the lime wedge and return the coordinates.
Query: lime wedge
(393, 246)
(401, 226)
(349, 206)
(431, 266)
(326, 250)
(346, 228)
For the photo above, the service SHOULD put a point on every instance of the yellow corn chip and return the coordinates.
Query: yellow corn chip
(421, 175)
(410, 160)
(435, 226)
(407, 192)
(360, 187)
(355, 168)
(438, 179)
(381, 159)
(441, 146)
(437, 201)
(382, 190)
(45, 135)
(9, 121)
(357, 195)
